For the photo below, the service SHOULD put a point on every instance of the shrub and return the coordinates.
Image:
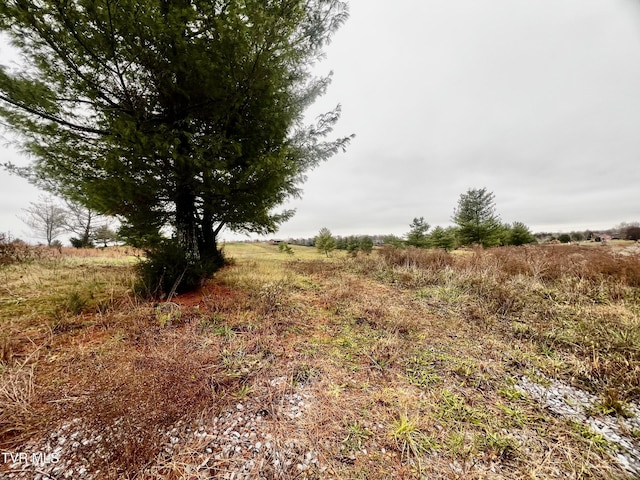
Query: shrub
(17, 251)
(167, 270)
(394, 241)
(632, 233)
(80, 243)
(285, 248)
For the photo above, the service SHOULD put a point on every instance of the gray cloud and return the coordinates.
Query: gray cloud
(539, 101)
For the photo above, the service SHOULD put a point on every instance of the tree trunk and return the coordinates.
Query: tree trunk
(196, 237)
(186, 228)
(209, 244)
(86, 234)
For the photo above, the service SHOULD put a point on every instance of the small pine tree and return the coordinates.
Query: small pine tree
(366, 245)
(285, 248)
(519, 234)
(353, 245)
(417, 236)
(394, 241)
(325, 243)
(476, 218)
(443, 238)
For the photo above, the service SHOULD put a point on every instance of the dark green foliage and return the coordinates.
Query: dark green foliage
(476, 219)
(366, 245)
(417, 236)
(632, 233)
(166, 270)
(81, 243)
(519, 234)
(183, 116)
(577, 236)
(443, 238)
(104, 235)
(75, 303)
(504, 234)
(354, 244)
(564, 238)
(393, 241)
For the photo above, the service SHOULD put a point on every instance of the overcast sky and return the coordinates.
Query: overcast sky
(536, 100)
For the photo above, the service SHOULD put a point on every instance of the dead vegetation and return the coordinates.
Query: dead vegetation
(408, 359)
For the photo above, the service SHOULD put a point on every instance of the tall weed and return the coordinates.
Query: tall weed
(579, 300)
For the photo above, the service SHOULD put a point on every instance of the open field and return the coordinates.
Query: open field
(504, 363)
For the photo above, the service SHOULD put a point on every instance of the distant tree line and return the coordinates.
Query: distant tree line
(349, 243)
(624, 231)
(476, 223)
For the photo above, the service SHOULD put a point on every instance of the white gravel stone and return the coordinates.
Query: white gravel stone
(235, 443)
(570, 402)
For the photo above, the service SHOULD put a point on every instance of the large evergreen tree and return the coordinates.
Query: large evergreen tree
(179, 115)
(476, 218)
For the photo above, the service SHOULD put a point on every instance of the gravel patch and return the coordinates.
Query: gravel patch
(578, 405)
(245, 441)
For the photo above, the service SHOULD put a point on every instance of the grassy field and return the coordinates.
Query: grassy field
(411, 364)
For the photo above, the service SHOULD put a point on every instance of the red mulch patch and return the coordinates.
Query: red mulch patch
(210, 291)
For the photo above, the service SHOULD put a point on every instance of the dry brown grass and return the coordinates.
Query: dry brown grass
(16, 393)
(133, 394)
(17, 252)
(412, 257)
(582, 301)
(407, 359)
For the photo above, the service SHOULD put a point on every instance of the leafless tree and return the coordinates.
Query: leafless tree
(83, 222)
(46, 218)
